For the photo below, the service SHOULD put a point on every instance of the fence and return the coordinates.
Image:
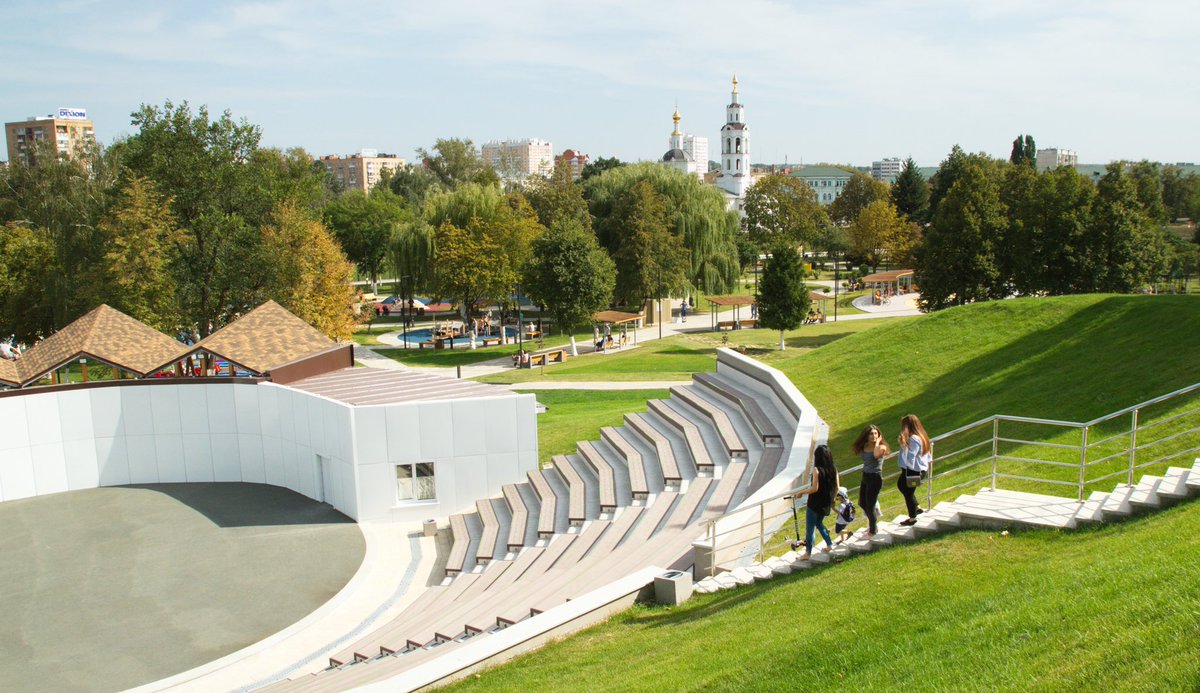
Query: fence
(1014, 452)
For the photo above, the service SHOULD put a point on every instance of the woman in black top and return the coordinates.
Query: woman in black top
(820, 498)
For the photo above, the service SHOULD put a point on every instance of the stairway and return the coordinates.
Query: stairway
(993, 509)
(633, 499)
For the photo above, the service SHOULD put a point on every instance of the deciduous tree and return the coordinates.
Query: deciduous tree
(308, 273)
(860, 191)
(363, 225)
(651, 261)
(456, 161)
(27, 265)
(571, 274)
(782, 209)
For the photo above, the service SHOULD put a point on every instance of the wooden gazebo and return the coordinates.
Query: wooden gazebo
(619, 319)
(717, 302)
(884, 285)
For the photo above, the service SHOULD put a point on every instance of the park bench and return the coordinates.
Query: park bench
(542, 358)
(737, 324)
(490, 341)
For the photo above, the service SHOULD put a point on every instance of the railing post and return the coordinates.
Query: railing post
(1132, 446)
(1083, 461)
(762, 542)
(995, 448)
(929, 488)
(712, 560)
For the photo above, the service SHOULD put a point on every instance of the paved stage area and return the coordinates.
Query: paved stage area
(111, 588)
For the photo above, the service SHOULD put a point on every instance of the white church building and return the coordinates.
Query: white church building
(735, 178)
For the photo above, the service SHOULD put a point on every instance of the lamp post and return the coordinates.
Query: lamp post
(836, 284)
(405, 308)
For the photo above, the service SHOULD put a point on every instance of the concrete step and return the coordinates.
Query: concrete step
(760, 572)
(706, 586)
(1092, 508)
(778, 565)
(1145, 493)
(1117, 504)
(1174, 483)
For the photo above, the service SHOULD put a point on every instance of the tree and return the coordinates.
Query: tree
(783, 300)
(910, 192)
(783, 209)
(134, 275)
(413, 183)
(571, 274)
(308, 274)
(1181, 193)
(1024, 152)
(363, 225)
(599, 166)
(1048, 234)
(1147, 176)
(464, 203)
(651, 261)
(454, 162)
(411, 251)
(27, 265)
(695, 212)
(878, 227)
(558, 198)
(860, 191)
(1123, 239)
(956, 264)
(468, 267)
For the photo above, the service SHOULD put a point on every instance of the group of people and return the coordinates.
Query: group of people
(606, 341)
(814, 317)
(9, 351)
(914, 459)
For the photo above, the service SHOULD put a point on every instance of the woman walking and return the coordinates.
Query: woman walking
(872, 448)
(915, 456)
(820, 499)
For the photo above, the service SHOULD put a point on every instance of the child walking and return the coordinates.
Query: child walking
(845, 514)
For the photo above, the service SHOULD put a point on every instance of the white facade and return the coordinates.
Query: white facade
(519, 159)
(66, 439)
(697, 148)
(886, 169)
(735, 175)
(827, 182)
(1053, 158)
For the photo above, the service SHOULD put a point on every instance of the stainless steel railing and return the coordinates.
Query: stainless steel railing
(1011, 451)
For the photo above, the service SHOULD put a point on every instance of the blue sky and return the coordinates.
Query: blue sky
(837, 81)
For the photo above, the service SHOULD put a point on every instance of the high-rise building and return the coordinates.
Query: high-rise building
(735, 150)
(688, 153)
(361, 171)
(574, 160)
(887, 169)
(69, 129)
(519, 159)
(1053, 158)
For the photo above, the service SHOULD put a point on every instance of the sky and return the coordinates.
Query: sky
(847, 81)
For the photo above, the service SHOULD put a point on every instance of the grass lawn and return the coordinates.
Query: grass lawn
(1112, 608)
(575, 415)
(463, 356)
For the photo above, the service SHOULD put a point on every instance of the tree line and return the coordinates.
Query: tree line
(191, 221)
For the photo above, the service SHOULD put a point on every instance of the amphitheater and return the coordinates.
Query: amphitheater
(471, 552)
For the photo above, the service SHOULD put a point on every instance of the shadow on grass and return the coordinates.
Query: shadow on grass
(236, 504)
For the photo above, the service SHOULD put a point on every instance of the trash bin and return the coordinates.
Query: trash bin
(673, 587)
(429, 528)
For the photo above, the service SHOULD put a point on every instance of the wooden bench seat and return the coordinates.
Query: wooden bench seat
(489, 341)
(749, 403)
(577, 491)
(520, 516)
(462, 539)
(633, 461)
(720, 420)
(486, 550)
(543, 358)
(549, 502)
(604, 473)
(662, 447)
(689, 430)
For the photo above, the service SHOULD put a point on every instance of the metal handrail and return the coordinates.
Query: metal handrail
(759, 515)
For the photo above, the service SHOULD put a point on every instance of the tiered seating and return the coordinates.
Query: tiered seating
(633, 499)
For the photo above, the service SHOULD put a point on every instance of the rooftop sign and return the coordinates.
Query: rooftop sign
(72, 114)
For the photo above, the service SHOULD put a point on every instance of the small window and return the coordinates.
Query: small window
(415, 482)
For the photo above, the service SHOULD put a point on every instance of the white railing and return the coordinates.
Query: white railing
(1014, 451)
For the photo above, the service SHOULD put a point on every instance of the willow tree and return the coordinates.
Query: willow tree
(410, 254)
(695, 212)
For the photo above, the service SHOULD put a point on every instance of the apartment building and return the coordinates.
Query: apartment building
(519, 159)
(886, 170)
(363, 170)
(69, 129)
(573, 160)
(1053, 158)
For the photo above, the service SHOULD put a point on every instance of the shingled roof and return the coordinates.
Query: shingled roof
(267, 337)
(104, 334)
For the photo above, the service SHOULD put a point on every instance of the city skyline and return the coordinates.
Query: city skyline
(837, 84)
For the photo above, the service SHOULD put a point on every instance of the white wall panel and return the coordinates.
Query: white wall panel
(197, 456)
(268, 410)
(502, 468)
(472, 479)
(136, 416)
(42, 418)
(403, 424)
(370, 435)
(286, 401)
(14, 428)
(470, 435)
(500, 422)
(75, 415)
(222, 418)
(315, 423)
(250, 448)
(172, 466)
(193, 409)
(526, 423)
(143, 459)
(437, 430)
(273, 462)
(164, 404)
(82, 469)
(245, 400)
(376, 490)
(227, 463)
(16, 474)
(113, 459)
(107, 418)
(49, 468)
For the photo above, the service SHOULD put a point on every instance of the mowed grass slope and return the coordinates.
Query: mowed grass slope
(576, 415)
(1113, 608)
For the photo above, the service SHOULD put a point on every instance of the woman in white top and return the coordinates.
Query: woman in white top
(914, 457)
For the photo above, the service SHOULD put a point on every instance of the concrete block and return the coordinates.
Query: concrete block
(674, 587)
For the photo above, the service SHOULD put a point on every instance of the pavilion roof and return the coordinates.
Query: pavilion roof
(891, 276)
(730, 300)
(615, 317)
(267, 337)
